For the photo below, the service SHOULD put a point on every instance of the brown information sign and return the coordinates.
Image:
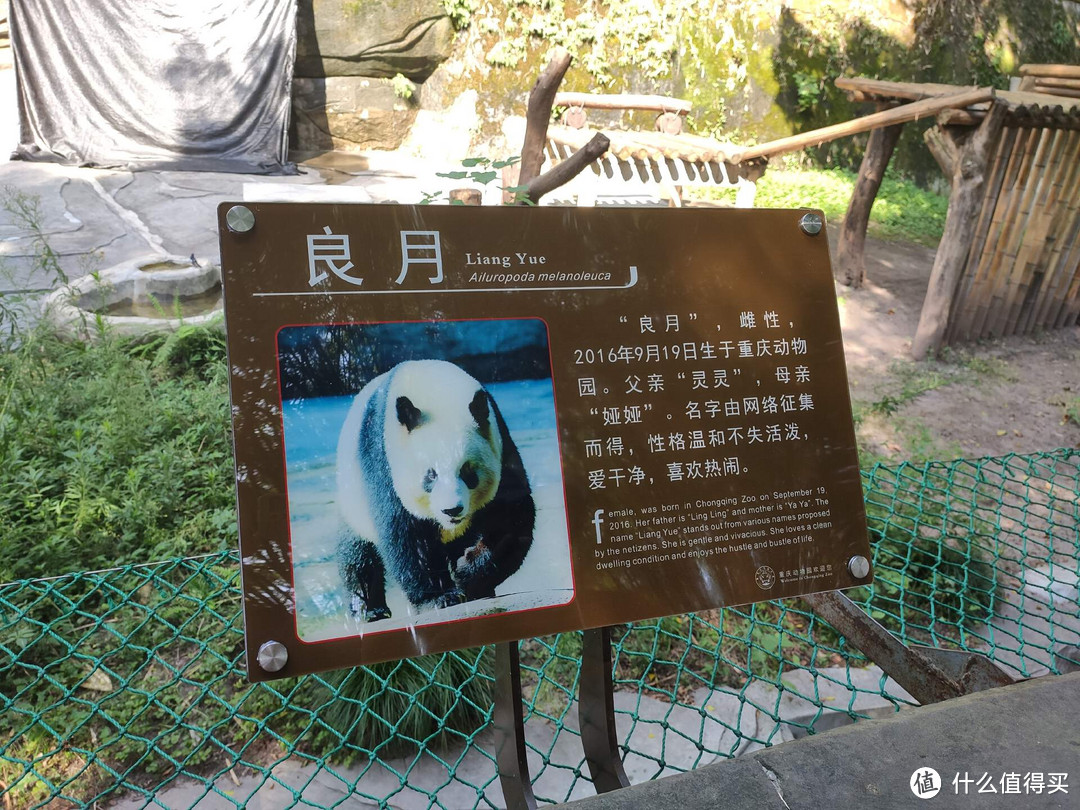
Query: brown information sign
(457, 426)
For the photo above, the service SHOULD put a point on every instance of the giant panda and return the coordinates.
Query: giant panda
(430, 489)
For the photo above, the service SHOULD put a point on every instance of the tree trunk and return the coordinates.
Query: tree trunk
(539, 114)
(850, 262)
(968, 184)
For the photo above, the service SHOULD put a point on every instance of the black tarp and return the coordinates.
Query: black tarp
(200, 85)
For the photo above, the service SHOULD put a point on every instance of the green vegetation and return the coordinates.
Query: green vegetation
(113, 452)
(901, 209)
(398, 708)
(1070, 409)
(755, 69)
(403, 88)
(931, 570)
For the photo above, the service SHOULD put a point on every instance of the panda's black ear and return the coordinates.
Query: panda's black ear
(479, 410)
(407, 413)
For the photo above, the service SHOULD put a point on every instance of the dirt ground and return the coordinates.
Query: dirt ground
(993, 397)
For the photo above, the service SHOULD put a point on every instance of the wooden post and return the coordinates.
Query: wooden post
(850, 262)
(465, 196)
(968, 182)
(943, 147)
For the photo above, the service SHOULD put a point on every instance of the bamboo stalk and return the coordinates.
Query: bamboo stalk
(999, 225)
(1013, 270)
(1030, 268)
(1069, 261)
(998, 272)
(974, 279)
(1053, 212)
(1066, 204)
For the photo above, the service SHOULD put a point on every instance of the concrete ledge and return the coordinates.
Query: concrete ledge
(1024, 728)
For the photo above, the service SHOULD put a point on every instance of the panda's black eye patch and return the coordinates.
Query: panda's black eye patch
(469, 477)
(429, 480)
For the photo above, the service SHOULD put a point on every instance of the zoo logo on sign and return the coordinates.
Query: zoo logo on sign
(765, 577)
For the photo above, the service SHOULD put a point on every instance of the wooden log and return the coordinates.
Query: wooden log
(897, 115)
(623, 101)
(1024, 116)
(942, 145)
(537, 119)
(911, 91)
(538, 115)
(969, 180)
(850, 258)
(1059, 71)
(1067, 84)
(465, 196)
(567, 170)
(960, 118)
(1065, 92)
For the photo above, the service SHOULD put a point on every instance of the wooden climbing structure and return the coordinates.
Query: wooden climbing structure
(1009, 260)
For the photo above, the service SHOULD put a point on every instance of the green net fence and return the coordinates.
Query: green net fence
(126, 687)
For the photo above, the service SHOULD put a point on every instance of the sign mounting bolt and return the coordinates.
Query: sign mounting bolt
(811, 223)
(273, 656)
(859, 567)
(240, 219)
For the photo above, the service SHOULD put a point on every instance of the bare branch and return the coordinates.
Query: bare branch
(568, 169)
(539, 114)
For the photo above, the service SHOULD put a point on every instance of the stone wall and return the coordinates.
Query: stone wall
(347, 55)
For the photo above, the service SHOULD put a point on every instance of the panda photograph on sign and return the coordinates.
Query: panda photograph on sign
(423, 471)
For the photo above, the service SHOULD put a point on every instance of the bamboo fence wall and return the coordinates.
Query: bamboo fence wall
(1023, 268)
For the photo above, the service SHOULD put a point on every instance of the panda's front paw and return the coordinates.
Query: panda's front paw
(450, 598)
(359, 609)
(472, 561)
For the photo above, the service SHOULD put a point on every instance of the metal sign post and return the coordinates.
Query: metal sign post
(509, 726)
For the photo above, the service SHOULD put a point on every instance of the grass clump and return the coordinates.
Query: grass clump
(399, 708)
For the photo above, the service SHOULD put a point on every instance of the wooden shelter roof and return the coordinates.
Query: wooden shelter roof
(1037, 108)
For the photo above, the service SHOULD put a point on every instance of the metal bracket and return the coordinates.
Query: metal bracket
(974, 672)
(929, 675)
(510, 730)
(596, 712)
